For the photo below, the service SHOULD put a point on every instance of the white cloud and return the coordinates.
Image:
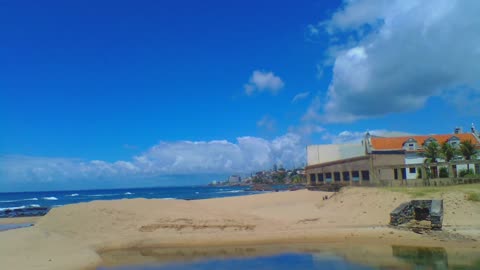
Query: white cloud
(300, 96)
(313, 110)
(246, 155)
(307, 129)
(262, 81)
(357, 136)
(267, 123)
(392, 56)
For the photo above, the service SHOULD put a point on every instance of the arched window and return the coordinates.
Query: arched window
(429, 141)
(410, 144)
(454, 141)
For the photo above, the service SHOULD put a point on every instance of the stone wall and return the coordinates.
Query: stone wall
(429, 210)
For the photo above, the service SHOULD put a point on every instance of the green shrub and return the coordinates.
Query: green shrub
(464, 172)
(443, 172)
(472, 196)
(419, 173)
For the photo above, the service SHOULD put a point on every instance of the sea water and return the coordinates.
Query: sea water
(25, 200)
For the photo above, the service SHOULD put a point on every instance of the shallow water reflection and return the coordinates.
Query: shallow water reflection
(277, 262)
(294, 257)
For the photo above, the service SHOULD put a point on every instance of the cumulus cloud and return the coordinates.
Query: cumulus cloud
(246, 155)
(300, 96)
(392, 56)
(313, 111)
(357, 136)
(267, 123)
(262, 81)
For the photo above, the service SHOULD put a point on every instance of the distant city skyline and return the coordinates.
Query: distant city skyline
(122, 94)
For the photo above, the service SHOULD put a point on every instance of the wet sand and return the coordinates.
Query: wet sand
(19, 220)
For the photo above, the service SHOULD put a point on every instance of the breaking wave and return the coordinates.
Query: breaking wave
(19, 207)
(103, 195)
(231, 191)
(21, 200)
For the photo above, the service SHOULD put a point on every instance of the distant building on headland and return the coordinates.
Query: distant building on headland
(234, 179)
(385, 160)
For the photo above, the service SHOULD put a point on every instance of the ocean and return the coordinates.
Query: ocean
(9, 202)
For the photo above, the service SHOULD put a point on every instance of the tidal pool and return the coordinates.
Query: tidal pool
(312, 257)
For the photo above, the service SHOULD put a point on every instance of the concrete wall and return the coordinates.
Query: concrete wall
(386, 160)
(317, 154)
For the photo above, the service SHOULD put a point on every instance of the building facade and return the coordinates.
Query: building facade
(381, 160)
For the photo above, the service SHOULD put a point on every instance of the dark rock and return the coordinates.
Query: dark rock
(24, 212)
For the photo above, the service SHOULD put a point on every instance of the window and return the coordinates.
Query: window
(412, 170)
(328, 177)
(336, 176)
(346, 176)
(320, 177)
(454, 141)
(313, 178)
(395, 174)
(429, 141)
(355, 176)
(410, 144)
(365, 175)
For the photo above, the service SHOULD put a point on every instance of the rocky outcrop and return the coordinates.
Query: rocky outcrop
(24, 212)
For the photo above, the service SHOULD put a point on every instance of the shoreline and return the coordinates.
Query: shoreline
(74, 237)
(19, 220)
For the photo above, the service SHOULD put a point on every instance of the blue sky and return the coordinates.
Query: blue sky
(122, 93)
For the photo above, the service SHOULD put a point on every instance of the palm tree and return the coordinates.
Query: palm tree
(468, 151)
(431, 154)
(447, 151)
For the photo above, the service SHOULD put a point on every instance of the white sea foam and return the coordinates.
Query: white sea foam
(50, 198)
(231, 191)
(13, 208)
(73, 195)
(128, 193)
(21, 200)
(168, 198)
(19, 207)
(103, 195)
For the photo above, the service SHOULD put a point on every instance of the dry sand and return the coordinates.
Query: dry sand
(73, 236)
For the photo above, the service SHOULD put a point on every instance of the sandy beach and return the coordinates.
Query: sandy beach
(74, 236)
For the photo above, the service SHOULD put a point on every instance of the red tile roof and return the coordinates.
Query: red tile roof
(396, 143)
